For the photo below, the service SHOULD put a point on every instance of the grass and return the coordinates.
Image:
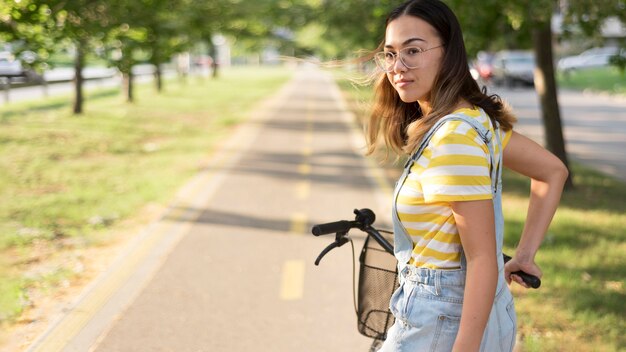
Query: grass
(604, 79)
(67, 180)
(581, 303)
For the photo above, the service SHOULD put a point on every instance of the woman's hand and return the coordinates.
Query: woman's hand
(527, 266)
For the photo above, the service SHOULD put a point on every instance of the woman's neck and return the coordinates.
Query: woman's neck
(425, 107)
(461, 104)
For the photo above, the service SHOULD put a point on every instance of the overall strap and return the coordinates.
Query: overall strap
(484, 133)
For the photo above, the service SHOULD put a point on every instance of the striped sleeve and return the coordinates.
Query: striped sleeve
(458, 169)
(505, 137)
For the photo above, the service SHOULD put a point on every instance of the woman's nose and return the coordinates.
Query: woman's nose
(398, 66)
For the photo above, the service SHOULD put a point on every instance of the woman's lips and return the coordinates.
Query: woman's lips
(403, 83)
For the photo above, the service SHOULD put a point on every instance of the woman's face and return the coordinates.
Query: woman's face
(413, 84)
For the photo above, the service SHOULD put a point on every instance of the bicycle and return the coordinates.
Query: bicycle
(378, 274)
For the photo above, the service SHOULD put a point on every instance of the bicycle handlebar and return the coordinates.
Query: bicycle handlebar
(363, 221)
(333, 227)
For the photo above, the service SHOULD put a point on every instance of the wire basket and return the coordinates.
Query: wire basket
(378, 279)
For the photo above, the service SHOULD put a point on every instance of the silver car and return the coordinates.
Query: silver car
(512, 68)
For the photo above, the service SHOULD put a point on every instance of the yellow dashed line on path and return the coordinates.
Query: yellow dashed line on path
(298, 223)
(308, 138)
(304, 169)
(292, 280)
(303, 189)
(307, 151)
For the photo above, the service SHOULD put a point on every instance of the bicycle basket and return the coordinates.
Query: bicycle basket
(378, 279)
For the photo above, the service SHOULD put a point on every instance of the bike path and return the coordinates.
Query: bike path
(230, 266)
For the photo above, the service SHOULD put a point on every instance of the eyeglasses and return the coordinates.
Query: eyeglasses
(410, 57)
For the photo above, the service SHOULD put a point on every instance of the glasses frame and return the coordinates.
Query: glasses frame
(379, 57)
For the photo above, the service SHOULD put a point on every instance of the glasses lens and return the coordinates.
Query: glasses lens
(385, 61)
(411, 57)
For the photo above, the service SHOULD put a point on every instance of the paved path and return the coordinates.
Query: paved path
(230, 267)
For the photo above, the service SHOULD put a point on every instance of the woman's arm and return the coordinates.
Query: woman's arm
(548, 175)
(475, 222)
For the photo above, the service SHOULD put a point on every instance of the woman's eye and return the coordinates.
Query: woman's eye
(413, 51)
(389, 55)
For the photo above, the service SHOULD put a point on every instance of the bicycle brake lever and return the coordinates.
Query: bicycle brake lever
(338, 243)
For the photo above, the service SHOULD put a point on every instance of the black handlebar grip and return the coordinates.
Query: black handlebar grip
(530, 280)
(331, 227)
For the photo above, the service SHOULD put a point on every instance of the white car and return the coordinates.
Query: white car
(9, 67)
(595, 57)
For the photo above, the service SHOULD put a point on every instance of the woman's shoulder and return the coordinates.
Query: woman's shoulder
(458, 129)
(457, 124)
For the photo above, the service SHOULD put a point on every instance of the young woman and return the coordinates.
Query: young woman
(447, 205)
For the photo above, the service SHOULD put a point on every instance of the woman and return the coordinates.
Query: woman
(447, 205)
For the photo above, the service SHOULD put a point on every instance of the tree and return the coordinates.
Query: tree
(201, 22)
(587, 16)
(166, 34)
(81, 22)
(352, 25)
(24, 25)
(122, 43)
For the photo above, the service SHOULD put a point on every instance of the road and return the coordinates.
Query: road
(230, 266)
(594, 126)
(59, 82)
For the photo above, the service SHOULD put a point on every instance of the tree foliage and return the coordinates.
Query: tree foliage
(588, 16)
(125, 31)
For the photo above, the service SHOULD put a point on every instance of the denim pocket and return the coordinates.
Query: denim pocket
(397, 303)
(445, 333)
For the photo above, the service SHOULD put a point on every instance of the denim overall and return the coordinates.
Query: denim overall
(427, 305)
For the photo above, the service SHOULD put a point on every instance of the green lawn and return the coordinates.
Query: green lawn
(68, 180)
(605, 79)
(581, 303)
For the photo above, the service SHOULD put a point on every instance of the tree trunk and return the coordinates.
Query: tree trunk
(213, 55)
(78, 77)
(127, 81)
(215, 66)
(545, 85)
(158, 77)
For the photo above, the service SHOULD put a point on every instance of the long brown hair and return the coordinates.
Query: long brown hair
(403, 125)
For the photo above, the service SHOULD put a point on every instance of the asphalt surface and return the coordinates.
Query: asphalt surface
(594, 126)
(230, 266)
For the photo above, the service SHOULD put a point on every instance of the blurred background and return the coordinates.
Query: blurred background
(97, 95)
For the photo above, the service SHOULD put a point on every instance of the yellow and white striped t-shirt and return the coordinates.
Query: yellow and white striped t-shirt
(453, 167)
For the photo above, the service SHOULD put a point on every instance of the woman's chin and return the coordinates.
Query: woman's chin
(408, 98)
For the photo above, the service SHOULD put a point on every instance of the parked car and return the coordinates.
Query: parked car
(483, 66)
(11, 67)
(512, 68)
(594, 57)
